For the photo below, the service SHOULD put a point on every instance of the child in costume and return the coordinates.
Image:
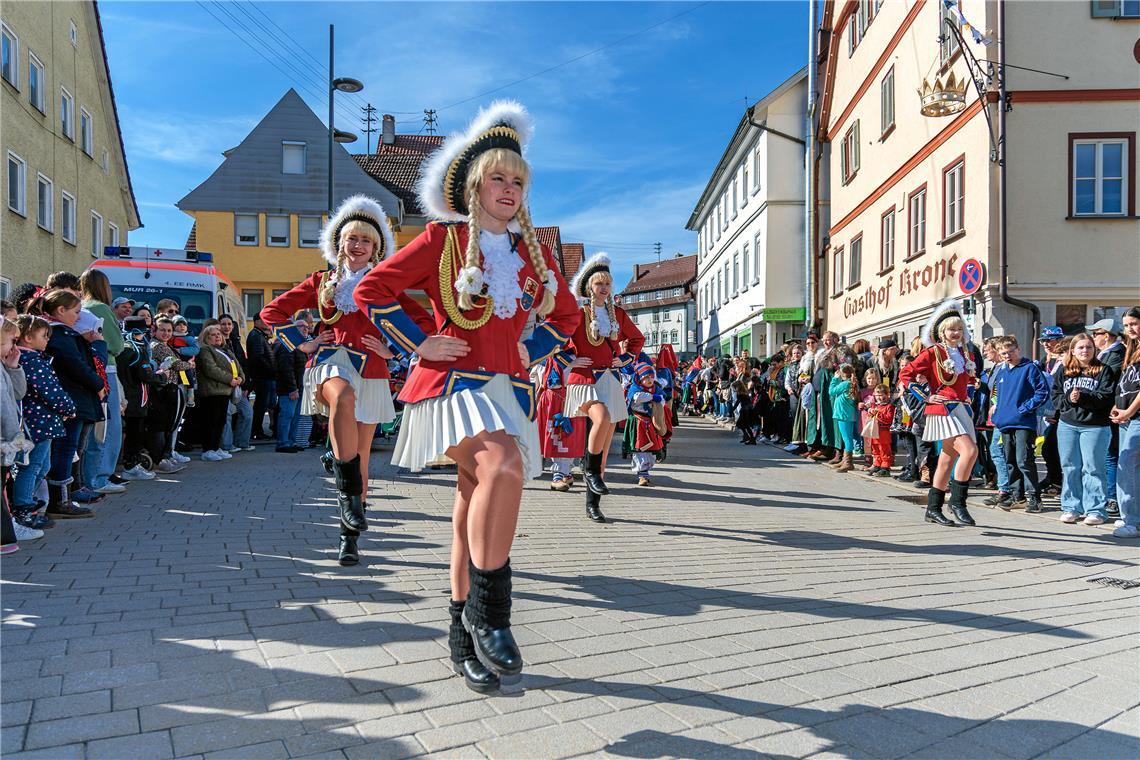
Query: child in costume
(347, 379)
(946, 364)
(469, 397)
(594, 388)
(882, 412)
(563, 438)
(644, 393)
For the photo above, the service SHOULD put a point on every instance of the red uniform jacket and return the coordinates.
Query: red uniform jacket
(605, 352)
(931, 363)
(494, 346)
(347, 328)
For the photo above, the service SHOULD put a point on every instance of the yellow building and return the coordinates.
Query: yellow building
(1015, 194)
(260, 213)
(67, 191)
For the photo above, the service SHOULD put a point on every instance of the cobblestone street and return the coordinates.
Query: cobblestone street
(748, 605)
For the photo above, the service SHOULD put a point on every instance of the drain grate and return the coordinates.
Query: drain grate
(1119, 583)
(1082, 561)
(918, 498)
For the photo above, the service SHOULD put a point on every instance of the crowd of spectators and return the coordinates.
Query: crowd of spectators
(99, 392)
(1076, 411)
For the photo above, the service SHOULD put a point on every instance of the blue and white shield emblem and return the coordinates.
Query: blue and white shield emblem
(529, 293)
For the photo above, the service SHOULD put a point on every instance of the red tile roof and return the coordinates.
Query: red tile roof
(670, 273)
(551, 237)
(631, 305)
(192, 238)
(572, 255)
(397, 166)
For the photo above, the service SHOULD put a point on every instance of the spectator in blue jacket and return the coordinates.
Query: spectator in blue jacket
(1020, 390)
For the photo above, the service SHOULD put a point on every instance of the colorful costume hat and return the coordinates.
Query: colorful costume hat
(951, 307)
(357, 208)
(643, 371)
(503, 124)
(599, 262)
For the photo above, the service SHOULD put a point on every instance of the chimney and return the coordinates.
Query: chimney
(388, 129)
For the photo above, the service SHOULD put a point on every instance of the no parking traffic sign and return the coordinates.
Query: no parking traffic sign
(971, 275)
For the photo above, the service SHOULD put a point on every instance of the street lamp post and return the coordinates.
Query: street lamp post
(344, 84)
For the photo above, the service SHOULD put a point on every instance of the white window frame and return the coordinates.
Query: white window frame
(887, 240)
(849, 153)
(86, 132)
(916, 223)
(285, 146)
(837, 271)
(45, 213)
(756, 251)
(735, 273)
(744, 182)
(288, 231)
(735, 195)
(756, 168)
(37, 66)
(96, 234)
(301, 240)
(113, 229)
(13, 56)
(744, 259)
(67, 113)
(855, 261)
(954, 199)
(21, 200)
(67, 208)
(257, 229)
(1099, 177)
(947, 43)
(887, 102)
(73, 34)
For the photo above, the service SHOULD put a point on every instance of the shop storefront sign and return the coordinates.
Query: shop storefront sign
(912, 280)
(785, 314)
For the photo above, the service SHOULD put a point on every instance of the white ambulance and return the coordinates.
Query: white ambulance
(147, 275)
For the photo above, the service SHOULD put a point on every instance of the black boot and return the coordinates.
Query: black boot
(934, 502)
(958, 491)
(349, 555)
(61, 506)
(350, 490)
(463, 659)
(593, 507)
(487, 617)
(592, 474)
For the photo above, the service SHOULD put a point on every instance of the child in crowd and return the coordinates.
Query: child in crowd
(46, 406)
(643, 395)
(1020, 390)
(12, 441)
(186, 346)
(746, 417)
(871, 379)
(882, 412)
(842, 390)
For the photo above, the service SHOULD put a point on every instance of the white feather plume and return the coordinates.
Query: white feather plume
(944, 308)
(356, 204)
(434, 170)
(583, 274)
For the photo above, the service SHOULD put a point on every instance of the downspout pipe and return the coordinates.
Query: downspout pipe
(1003, 183)
(809, 174)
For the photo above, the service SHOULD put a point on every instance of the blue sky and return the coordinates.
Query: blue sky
(625, 138)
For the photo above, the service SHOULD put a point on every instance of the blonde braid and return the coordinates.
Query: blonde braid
(591, 322)
(537, 260)
(328, 292)
(615, 326)
(473, 254)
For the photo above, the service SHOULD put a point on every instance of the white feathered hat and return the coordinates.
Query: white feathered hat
(503, 124)
(357, 208)
(599, 262)
(951, 307)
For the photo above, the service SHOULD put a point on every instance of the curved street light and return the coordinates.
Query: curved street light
(342, 84)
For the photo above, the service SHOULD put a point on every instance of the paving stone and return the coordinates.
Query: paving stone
(50, 733)
(563, 740)
(235, 732)
(51, 708)
(457, 735)
(154, 745)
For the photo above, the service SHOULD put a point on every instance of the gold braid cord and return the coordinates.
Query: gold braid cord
(447, 287)
(336, 314)
(588, 316)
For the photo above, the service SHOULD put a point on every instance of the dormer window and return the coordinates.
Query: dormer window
(292, 157)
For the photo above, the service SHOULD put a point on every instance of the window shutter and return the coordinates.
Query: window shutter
(1106, 8)
(309, 231)
(292, 158)
(245, 228)
(277, 230)
(855, 149)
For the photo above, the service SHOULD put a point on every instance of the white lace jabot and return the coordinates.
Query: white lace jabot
(602, 316)
(501, 265)
(345, 286)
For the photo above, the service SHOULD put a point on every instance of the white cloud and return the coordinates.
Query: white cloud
(182, 138)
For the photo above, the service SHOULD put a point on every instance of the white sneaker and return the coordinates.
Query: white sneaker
(179, 457)
(24, 533)
(111, 488)
(138, 472)
(211, 456)
(1124, 531)
(224, 454)
(247, 448)
(1094, 520)
(167, 466)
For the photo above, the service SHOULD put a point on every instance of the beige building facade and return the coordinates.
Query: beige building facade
(917, 201)
(67, 190)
